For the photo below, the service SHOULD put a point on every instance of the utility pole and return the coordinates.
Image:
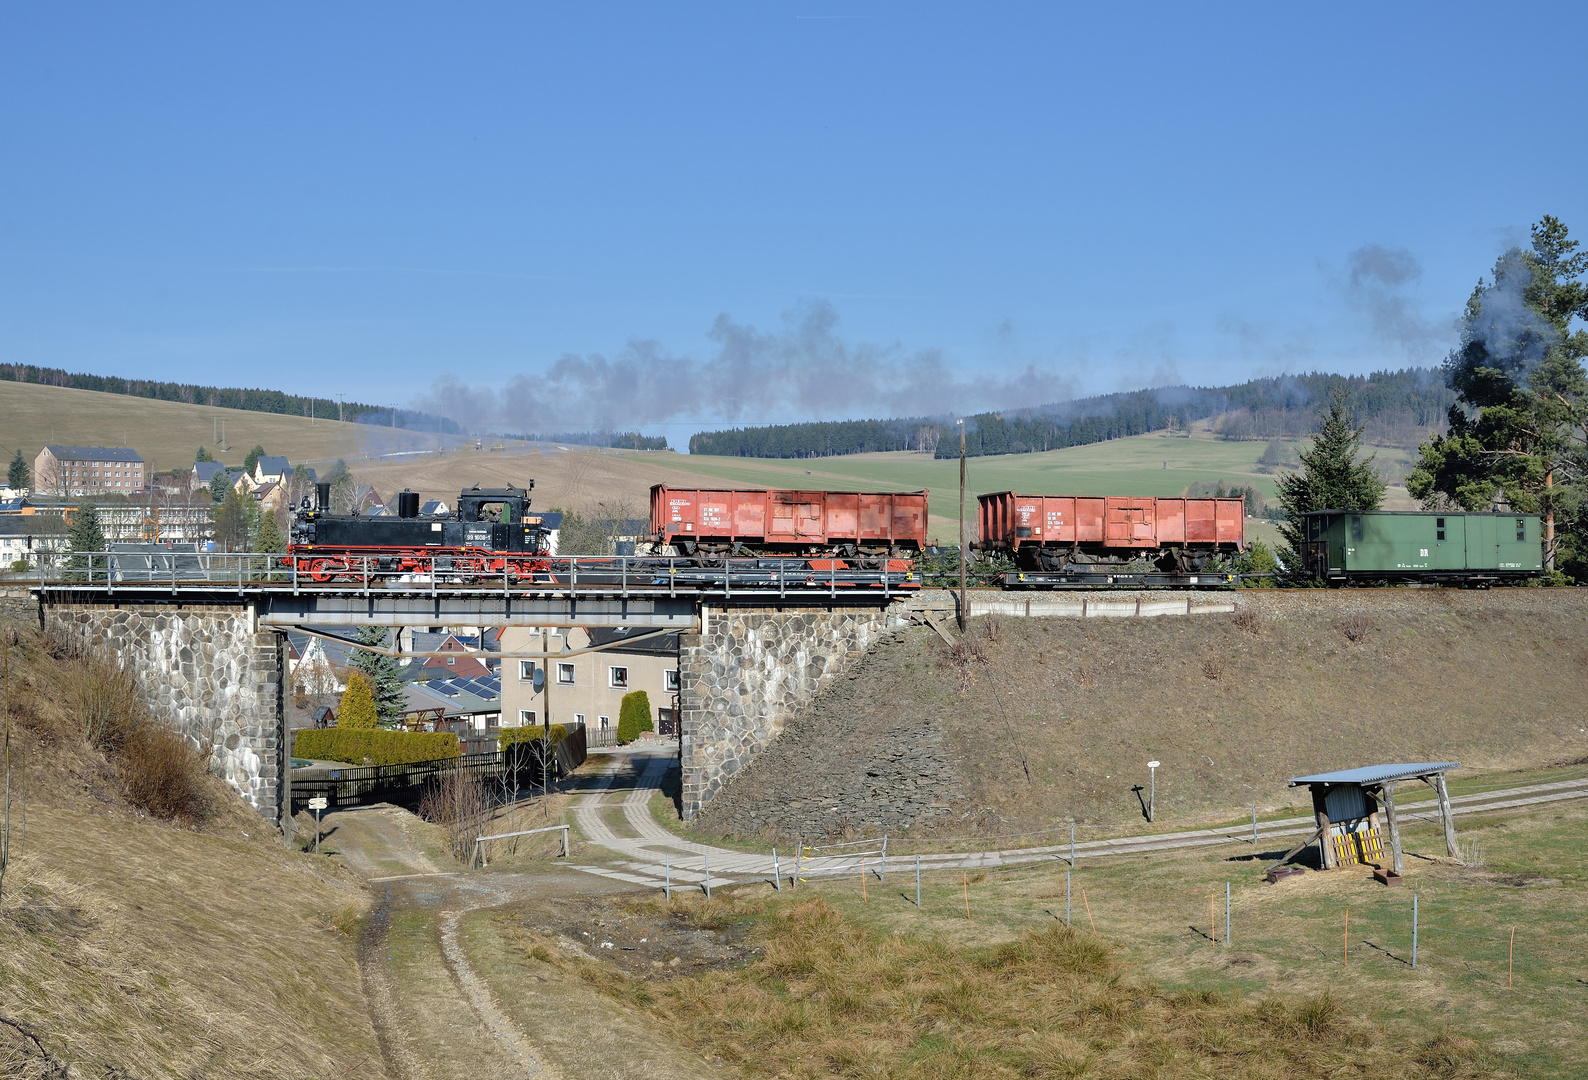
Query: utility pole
(963, 614)
(339, 408)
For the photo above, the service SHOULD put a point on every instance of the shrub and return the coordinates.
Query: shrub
(161, 775)
(358, 705)
(458, 804)
(378, 747)
(634, 716)
(529, 733)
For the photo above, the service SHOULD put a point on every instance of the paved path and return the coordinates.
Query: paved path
(652, 855)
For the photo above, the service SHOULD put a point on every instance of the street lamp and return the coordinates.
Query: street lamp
(1152, 789)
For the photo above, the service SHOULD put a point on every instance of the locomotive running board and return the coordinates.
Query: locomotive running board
(1061, 580)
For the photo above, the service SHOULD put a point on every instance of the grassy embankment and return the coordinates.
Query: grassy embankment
(134, 944)
(1231, 707)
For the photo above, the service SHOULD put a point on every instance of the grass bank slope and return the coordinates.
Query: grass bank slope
(134, 946)
(1231, 706)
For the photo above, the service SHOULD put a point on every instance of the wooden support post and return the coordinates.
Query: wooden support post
(1397, 863)
(1325, 842)
(1444, 809)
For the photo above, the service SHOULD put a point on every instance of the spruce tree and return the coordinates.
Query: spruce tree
(83, 537)
(383, 672)
(253, 459)
(1330, 477)
(357, 710)
(19, 475)
(269, 538)
(202, 455)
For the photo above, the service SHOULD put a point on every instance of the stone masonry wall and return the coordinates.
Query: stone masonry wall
(747, 671)
(205, 672)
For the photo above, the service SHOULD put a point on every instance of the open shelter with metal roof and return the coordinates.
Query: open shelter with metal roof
(1347, 803)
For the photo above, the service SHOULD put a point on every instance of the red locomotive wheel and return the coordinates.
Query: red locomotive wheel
(319, 572)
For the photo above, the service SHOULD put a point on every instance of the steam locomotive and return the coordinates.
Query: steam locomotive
(490, 534)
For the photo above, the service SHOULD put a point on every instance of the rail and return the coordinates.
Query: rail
(146, 571)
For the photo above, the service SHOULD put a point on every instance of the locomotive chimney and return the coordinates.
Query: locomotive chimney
(407, 504)
(322, 497)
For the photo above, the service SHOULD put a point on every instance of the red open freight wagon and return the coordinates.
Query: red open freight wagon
(1043, 531)
(793, 522)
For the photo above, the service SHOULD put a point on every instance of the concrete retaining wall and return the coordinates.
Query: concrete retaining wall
(747, 670)
(207, 673)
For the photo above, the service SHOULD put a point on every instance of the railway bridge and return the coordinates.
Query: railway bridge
(209, 645)
(206, 636)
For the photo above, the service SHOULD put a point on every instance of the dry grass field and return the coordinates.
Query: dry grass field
(169, 433)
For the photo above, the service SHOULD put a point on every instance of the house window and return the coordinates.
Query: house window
(619, 677)
(452, 661)
(526, 717)
(672, 681)
(526, 671)
(565, 674)
(606, 722)
(578, 718)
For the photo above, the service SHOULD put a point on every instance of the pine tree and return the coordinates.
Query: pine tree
(83, 537)
(19, 475)
(634, 716)
(357, 710)
(1330, 478)
(202, 455)
(220, 484)
(253, 459)
(1519, 428)
(269, 535)
(384, 675)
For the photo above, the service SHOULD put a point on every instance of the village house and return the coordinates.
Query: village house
(588, 688)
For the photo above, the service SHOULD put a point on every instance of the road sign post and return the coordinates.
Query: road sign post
(317, 803)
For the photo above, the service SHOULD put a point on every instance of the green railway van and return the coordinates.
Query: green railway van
(1384, 545)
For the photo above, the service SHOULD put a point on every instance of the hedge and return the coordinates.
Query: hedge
(380, 747)
(529, 733)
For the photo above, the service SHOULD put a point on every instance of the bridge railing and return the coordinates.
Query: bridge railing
(146, 566)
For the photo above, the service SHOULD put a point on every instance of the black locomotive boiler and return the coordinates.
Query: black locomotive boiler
(491, 533)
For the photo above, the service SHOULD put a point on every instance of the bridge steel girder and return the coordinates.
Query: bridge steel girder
(656, 613)
(283, 608)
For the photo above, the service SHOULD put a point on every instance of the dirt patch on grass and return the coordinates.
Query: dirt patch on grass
(641, 937)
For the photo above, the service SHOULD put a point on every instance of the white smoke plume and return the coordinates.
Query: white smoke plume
(1514, 335)
(1379, 280)
(802, 371)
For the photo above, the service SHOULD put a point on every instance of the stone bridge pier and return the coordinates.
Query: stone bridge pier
(207, 671)
(748, 669)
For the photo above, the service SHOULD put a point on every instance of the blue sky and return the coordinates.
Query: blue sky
(688, 214)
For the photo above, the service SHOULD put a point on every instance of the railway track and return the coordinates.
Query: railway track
(650, 854)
